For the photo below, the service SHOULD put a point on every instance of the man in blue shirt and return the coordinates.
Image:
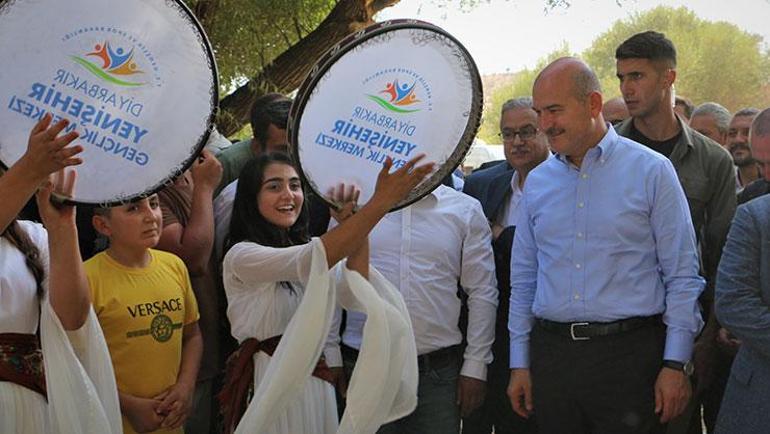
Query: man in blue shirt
(604, 282)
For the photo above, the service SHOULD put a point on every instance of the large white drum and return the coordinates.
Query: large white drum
(398, 89)
(136, 78)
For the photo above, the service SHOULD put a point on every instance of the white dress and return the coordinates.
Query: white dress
(260, 307)
(82, 396)
(287, 399)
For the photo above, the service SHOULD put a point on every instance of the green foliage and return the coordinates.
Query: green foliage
(248, 34)
(521, 85)
(716, 61)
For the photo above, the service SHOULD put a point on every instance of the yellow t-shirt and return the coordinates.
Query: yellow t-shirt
(142, 312)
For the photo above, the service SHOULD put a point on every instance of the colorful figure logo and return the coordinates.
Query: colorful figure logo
(116, 64)
(400, 96)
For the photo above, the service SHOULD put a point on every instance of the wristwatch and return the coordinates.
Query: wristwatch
(686, 367)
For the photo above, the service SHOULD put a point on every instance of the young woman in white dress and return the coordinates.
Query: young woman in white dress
(55, 371)
(272, 269)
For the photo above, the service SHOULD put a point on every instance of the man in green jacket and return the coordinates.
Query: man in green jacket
(646, 69)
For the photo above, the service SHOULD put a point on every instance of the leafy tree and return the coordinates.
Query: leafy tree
(716, 61)
(521, 85)
(270, 45)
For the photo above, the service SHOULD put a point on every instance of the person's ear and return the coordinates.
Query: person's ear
(670, 76)
(101, 224)
(595, 104)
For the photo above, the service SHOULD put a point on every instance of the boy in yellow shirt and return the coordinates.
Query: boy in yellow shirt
(149, 315)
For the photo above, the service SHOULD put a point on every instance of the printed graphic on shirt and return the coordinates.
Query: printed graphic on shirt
(162, 326)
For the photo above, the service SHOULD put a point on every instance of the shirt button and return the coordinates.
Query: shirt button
(580, 205)
(577, 296)
(577, 266)
(584, 176)
(580, 235)
(601, 160)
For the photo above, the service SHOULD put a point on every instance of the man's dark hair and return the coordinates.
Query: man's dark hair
(271, 108)
(687, 104)
(760, 126)
(648, 45)
(746, 112)
(247, 223)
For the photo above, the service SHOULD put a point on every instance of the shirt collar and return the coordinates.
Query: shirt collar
(515, 177)
(602, 150)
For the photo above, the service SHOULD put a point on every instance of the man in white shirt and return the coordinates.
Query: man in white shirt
(426, 250)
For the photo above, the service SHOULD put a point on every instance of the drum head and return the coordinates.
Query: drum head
(399, 88)
(136, 79)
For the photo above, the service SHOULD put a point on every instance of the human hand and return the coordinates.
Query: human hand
(470, 394)
(672, 392)
(393, 187)
(142, 413)
(727, 341)
(339, 380)
(348, 200)
(206, 171)
(520, 392)
(48, 151)
(497, 229)
(175, 405)
(62, 184)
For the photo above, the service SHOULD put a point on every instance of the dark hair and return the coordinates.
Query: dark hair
(746, 112)
(760, 126)
(648, 45)
(686, 103)
(271, 108)
(247, 223)
(19, 239)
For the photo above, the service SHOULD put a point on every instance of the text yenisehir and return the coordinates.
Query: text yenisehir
(88, 116)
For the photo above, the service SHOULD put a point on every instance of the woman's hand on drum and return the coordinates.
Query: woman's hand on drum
(49, 151)
(56, 215)
(393, 187)
(347, 198)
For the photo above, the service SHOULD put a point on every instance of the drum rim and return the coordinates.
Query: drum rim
(167, 181)
(332, 55)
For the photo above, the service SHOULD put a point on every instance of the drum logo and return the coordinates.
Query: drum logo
(399, 90)
(112, 64)
(114, 56)
(401, 98)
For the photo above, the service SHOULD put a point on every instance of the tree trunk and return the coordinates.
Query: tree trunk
(287, 71)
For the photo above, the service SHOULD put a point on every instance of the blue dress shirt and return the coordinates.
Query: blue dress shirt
(610, 240)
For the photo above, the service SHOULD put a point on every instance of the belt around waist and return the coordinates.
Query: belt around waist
(434, 358)
(585, 330)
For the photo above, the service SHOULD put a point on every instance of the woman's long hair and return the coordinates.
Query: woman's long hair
(248, 224)
(19, 239)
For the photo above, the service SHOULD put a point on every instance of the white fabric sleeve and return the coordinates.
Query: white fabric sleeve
(252, 263)
(383, 386)
(332, 352)
(82, 394)
(480, 283)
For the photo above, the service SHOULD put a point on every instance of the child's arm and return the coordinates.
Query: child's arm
(141, 413)
(177, 400)
(193, 243)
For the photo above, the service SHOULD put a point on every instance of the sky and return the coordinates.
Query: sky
(510, 35)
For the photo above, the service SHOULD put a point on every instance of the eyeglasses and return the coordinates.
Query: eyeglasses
(526, 132)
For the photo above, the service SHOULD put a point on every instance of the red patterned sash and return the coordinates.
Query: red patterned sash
(21, 361)
(239, 378)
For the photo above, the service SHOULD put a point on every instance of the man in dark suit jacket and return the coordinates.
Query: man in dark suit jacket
(743, 305)
(499, 188)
